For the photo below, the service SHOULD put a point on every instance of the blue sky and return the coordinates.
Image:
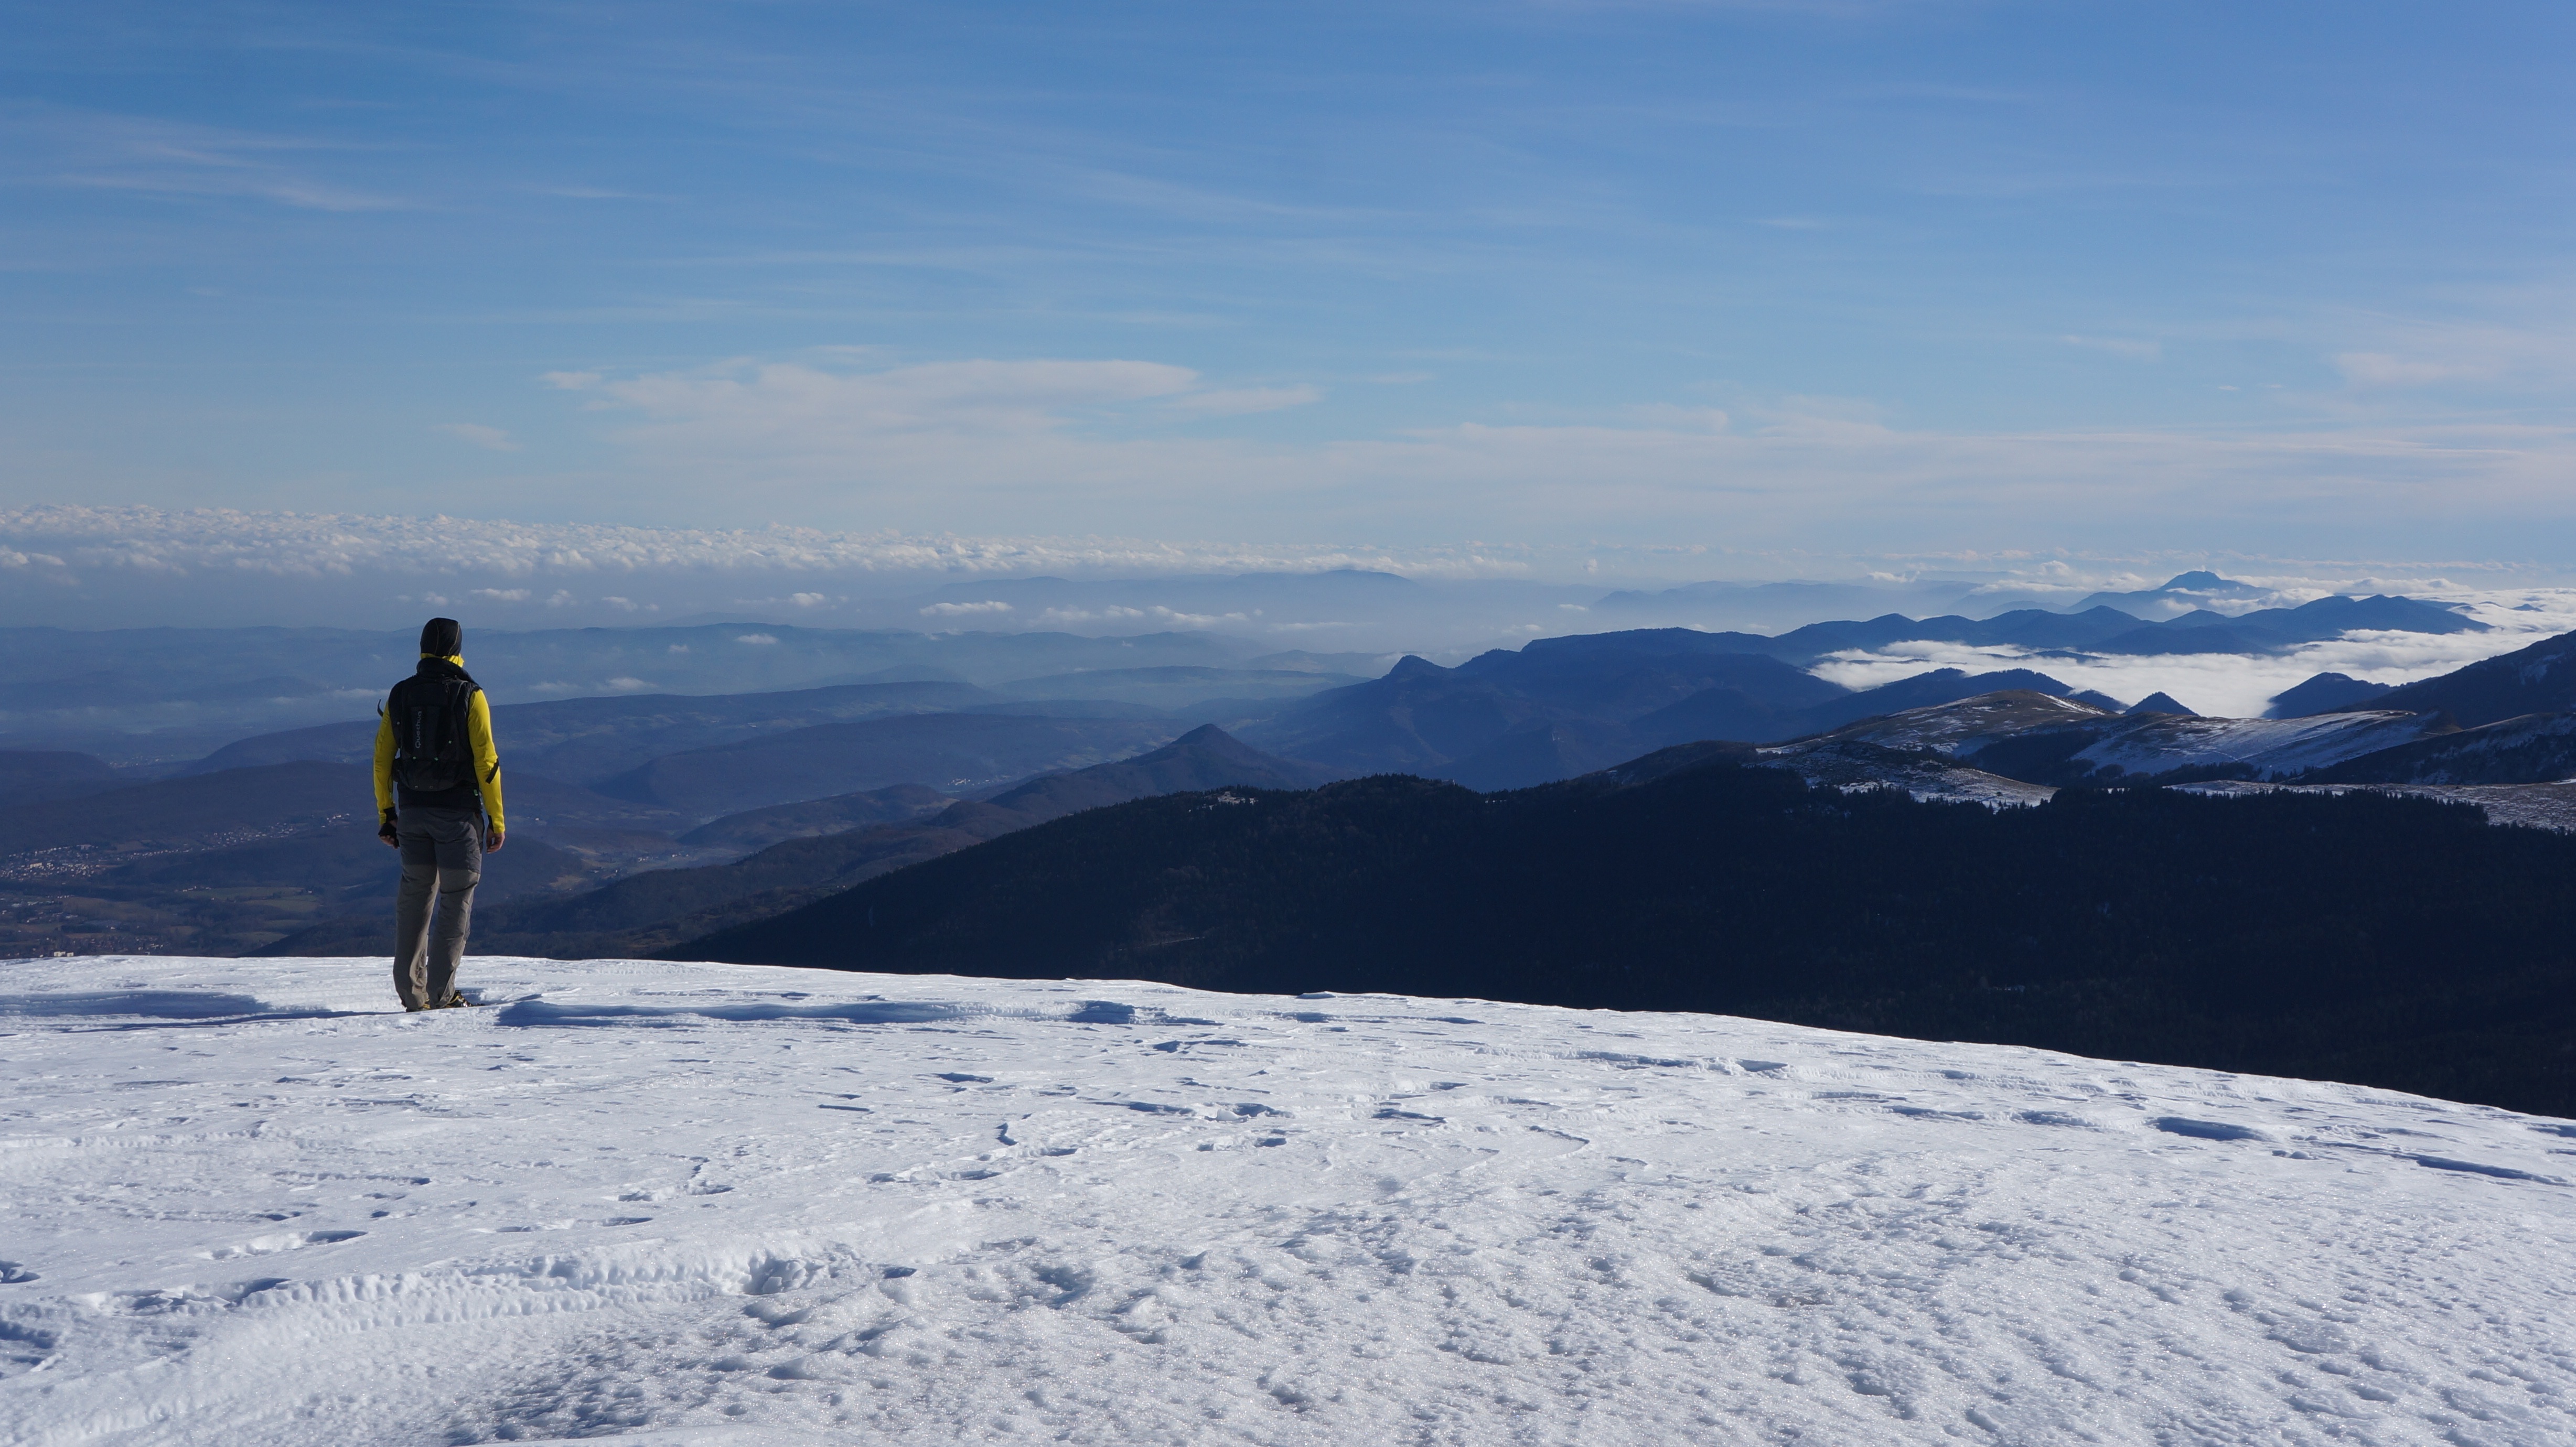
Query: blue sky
(1901, 279)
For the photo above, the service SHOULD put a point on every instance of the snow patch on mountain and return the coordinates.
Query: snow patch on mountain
(1929, 779)
(1948, 728)
(714, 1204)
(2142, 744)
(2272, 747)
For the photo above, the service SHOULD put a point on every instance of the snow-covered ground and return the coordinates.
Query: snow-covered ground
(717, 1204)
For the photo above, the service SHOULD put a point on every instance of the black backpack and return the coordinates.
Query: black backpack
(431, 755)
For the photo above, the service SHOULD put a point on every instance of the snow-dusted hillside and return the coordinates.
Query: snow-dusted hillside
(1951, 728)
(2273, 747)
(2136, 743)
(734, 1205)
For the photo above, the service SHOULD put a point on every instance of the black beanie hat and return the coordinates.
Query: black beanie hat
(442, 637)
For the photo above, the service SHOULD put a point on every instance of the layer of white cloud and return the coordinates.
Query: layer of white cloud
(1058, 445)
(752, 409)
(129, 566)
(106, 541)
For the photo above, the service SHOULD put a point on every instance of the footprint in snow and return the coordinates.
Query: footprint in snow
(24, 1347)
(282, 1241)
(2502, 1173)
(2207, 1130)
(2059, 1117)
(184, 1300)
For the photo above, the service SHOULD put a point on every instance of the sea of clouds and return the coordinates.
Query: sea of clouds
(78, 566)
(99, 567)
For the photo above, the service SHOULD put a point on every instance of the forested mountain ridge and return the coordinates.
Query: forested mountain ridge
(2383, 940)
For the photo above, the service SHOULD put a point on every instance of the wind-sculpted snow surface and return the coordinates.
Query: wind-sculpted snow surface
(715, 1204)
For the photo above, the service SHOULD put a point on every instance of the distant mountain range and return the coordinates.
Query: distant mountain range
(734, 804)
(1558, 707)
(2182, 593)
(954, 752)
(170, 694)
(589, 739)
(776, 824)
(2107, 630)
(1565, 706)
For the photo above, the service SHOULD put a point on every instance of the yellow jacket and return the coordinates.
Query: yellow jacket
(478, 738)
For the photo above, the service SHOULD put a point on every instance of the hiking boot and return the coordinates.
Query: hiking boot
(455, 1000)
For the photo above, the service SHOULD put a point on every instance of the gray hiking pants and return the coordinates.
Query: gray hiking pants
(442, 861)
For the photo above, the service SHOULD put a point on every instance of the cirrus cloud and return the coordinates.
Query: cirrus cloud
(757, 405)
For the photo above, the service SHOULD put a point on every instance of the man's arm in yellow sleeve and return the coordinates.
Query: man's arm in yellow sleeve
(384, 763)
(487, 759)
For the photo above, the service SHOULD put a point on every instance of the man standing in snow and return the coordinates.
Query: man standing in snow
(438, 797)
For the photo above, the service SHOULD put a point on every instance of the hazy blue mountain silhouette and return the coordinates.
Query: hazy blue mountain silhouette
(951, 752)
(651, 910)
(32, 776)
(2324, 693)
(759, 828)
(587, 739)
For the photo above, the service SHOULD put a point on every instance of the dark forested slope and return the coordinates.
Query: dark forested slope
(2385, 940)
